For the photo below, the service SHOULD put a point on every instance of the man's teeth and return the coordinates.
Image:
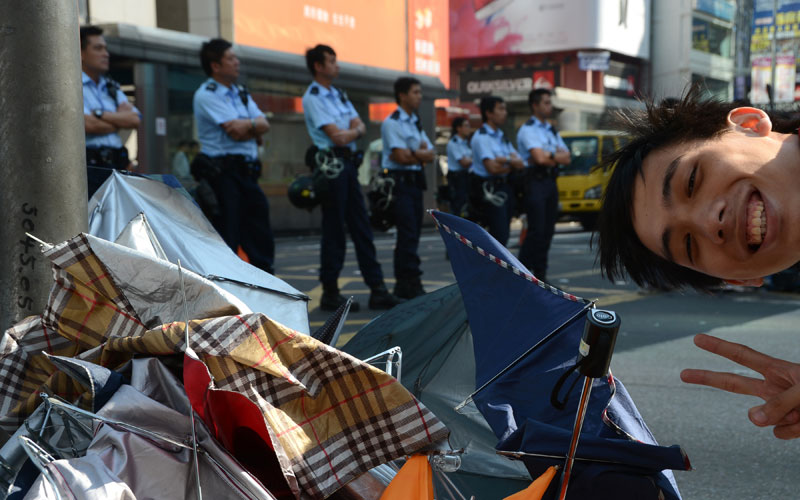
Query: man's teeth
(757, 223)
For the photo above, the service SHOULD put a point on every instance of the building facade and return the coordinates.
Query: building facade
(593, 54)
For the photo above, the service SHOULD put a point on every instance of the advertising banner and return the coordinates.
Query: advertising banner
(481, 28)
(369, 32)
(428, 39)
(760, 76)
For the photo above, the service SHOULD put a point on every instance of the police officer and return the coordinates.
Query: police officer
(493, 157)
(229, 124)
(459, 159)
(542, 149)
(106, 111)
(334, 126)
(406, 149)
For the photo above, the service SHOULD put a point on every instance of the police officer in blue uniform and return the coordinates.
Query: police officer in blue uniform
(106, 111)
(334, 127)
(229, 126)
(459, 159)
(493, 158)
(406, 149)
(542, 149)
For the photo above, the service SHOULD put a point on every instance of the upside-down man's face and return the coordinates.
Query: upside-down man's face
(727, 207)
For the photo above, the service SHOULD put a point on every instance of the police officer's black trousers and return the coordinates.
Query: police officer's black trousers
(541, 208)
(457, 182)
(408, 212)
(498, 218)
(244, 217)
(345, 206)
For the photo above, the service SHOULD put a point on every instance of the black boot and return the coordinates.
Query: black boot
(380, 298)
(331, 298)
(408, 288)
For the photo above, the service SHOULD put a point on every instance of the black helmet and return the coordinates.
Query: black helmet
(302, 193)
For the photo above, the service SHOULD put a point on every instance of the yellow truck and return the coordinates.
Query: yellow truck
(581, 184)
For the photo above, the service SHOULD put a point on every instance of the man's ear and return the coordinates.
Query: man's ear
(748, 282)
(750, 120)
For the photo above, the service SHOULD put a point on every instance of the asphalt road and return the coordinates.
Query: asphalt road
(730, 457)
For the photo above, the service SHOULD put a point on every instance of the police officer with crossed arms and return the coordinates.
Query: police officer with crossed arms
(406, 150)
(493, 158)
(542, 149)
(229, 126)
(334, 127)
(459, 159)
(106, 111)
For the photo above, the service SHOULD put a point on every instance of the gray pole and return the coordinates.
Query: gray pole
(774, 57)
(42, 152)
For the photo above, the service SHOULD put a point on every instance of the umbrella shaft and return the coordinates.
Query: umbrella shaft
(576, 434)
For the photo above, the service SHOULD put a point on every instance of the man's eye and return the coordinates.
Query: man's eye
(689, 247)
(691, 181)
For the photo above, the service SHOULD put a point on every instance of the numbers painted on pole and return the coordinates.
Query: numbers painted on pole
(26, 259)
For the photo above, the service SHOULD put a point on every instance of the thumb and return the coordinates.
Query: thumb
(775, 409)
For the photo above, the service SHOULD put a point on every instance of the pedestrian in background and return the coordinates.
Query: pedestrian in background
(406, 150)
(543, 150)
(106, 111)
(334, 127)
(493, 157)
(229, 123)
(181, 162)
(459, 159)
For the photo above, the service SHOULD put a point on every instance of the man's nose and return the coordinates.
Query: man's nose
(716, 222)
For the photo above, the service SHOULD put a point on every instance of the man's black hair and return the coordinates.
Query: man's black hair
(488, 104)
(86, 32)
(535, 96)
(403, 85)
(457, 122)
(213, 51)
(317, 55)
(693, 117)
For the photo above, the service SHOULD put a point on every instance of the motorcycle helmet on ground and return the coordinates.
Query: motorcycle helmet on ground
(302, 193)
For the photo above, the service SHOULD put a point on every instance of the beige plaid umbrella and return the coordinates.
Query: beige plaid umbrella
(332, 417)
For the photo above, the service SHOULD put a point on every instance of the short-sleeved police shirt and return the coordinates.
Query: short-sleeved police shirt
(457, 148)
(97, 96)
(327, 106)
(539, 135)
(215, 104)
(402, 131)
(488, 143)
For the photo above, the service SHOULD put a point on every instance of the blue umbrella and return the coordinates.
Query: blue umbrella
(525, 337)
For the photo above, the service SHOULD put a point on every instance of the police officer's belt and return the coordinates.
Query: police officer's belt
(108, 157)
(343, 152)
(240, 164)
(409, 177)
(540, 172)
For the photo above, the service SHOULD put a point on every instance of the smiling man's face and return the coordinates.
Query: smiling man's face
(728, 207)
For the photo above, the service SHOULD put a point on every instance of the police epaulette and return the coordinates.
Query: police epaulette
(342, 95)
(395, 115)
(314, 90)
(212, 86)
(482, 130)
(530, 121)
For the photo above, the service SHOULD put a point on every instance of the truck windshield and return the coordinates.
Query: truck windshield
(584, 155)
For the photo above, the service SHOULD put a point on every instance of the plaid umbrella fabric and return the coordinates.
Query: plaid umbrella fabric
(331, 416)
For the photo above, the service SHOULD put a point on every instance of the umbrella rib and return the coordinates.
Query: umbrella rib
(187, 348)
(296, 296)
(522, 356)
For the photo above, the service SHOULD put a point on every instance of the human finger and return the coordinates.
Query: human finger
(787, 431)
(776, 408)
(738, 353)
(728, 382)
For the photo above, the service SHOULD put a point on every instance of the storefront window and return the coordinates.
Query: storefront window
(711, 87)
(711, 37)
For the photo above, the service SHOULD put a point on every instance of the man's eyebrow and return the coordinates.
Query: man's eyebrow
(665, 237)
(666, 190)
